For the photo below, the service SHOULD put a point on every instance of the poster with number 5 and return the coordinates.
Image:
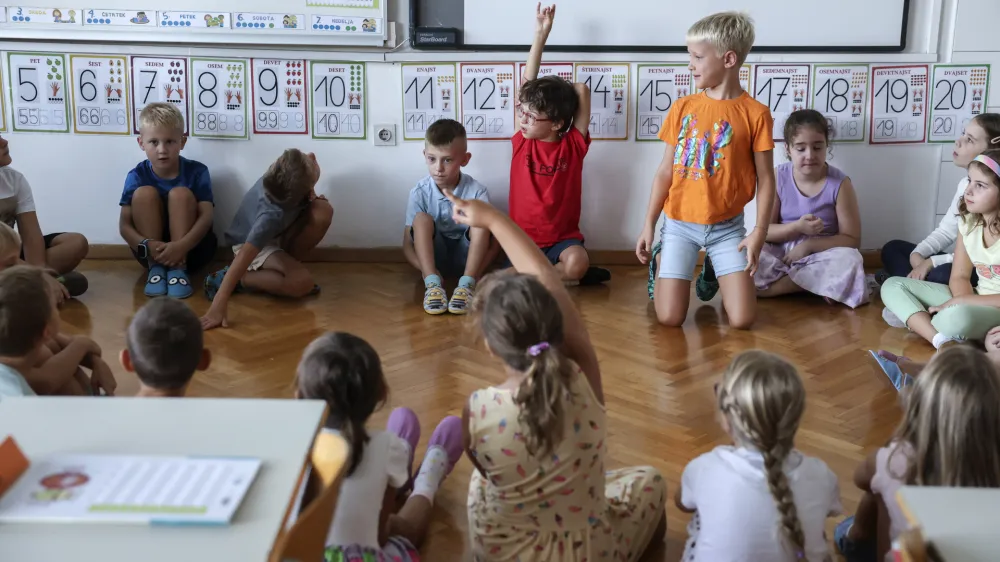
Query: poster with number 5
(219, 98)
(39, 101)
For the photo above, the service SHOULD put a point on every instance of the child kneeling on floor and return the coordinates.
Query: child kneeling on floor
(280, 220)
(165, 346)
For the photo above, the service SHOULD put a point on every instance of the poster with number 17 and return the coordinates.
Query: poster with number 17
(899, 103)
(784, 89)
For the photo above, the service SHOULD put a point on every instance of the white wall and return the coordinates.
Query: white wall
(77, 180)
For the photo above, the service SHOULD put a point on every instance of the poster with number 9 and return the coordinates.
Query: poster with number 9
(899, 104)
(39, 101)
(159, 79)
(100, 95)
(219, 98)
(280, 96)
(339, 99)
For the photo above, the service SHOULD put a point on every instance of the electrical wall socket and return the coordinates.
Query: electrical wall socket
(384, 134)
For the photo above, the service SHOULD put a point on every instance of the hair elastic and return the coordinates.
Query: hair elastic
(995, 140)
(989, 163)
(538, 348)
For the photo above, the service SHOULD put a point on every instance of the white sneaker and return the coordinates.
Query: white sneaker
(891, 319)
(941, 339)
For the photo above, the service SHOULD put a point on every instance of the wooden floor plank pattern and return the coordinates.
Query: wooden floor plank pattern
(658, 381)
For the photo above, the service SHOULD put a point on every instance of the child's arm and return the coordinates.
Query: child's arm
(60, 369)
(543, 25)
(865, 471)
(778, 233)
(216, 315)
(174, 253)
(467, 443)
(754, 242)
(848, 223)
(526, 258)
(582, 118)
(661, 187)
(31, 239)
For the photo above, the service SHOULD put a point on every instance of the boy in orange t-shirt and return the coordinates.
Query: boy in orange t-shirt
(719, 148)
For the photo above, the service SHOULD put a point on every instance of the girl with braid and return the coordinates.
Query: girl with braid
(760, 499)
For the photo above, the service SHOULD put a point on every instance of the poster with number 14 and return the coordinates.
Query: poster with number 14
(219, 98)
(609, 94)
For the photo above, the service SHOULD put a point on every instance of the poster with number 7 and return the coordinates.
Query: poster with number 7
(899, 104)
(159, 79)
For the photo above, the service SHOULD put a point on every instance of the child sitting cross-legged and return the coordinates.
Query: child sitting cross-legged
(165, 347)
(27, 320)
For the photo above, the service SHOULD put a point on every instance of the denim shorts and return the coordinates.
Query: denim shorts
(681, 242)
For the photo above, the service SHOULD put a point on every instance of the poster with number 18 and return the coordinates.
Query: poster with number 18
(839, 92)
(899, 104)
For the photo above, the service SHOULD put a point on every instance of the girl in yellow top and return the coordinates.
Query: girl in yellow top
(959, 312)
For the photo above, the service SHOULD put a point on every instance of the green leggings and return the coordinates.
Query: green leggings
(906, 297)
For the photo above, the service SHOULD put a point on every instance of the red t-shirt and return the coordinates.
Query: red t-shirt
(546, 182)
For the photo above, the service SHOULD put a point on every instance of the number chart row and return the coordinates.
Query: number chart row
(186, 21)
(219, 98)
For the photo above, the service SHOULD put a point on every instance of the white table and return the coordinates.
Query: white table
(279, 432)
(963, 524)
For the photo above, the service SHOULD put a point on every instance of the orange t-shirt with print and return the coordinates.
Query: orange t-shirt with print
(714, 174)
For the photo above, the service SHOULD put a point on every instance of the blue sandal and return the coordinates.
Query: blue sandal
(156, 281)
(178, 285)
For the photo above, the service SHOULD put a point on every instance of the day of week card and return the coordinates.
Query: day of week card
(100, 95)
(488, 100)
(219, 98)
(250, 21)
(899, 104)
(609, 94)
(659, 86)
(44, 16)
(159, 79)
(959, 94)
(839, 92)
(563, 70)
(345, 24)
(280, 92)
(39, 101)
(199, 20)
(139, 18)
(783, 89)
(339, 100)
(429, 94)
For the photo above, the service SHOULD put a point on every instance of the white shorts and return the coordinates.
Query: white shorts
(258, 262)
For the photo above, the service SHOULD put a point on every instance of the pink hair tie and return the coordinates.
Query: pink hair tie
(989, 163)
(538, 348)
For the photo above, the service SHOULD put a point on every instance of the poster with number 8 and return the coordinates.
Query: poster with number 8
(39, 101)
(339, 98)
(899, 104)
(609, 94)
(958, 95)
(428, 95)
(219, 98)
(159, 79)
(279, 97)
(839, 92)
(100, 95)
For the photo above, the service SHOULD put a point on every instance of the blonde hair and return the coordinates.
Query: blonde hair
(9, 239)
(160, 114)
(726, 31)
(287, 181)
(762, 397)
(951, 421)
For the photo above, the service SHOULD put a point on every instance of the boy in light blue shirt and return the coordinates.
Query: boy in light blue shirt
(432, 241)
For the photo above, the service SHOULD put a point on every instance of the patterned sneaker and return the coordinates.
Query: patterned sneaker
(707, 284)
(460, 299)
(891, 319)
(214, 281)
(178, 286)
(435, 300)
(651, 281)
(156, 281)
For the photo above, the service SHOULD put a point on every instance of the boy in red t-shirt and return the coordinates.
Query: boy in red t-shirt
(546, 169)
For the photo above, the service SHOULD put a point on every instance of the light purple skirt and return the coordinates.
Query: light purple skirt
(837, 274)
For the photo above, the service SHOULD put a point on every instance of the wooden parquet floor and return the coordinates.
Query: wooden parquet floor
(658, 381)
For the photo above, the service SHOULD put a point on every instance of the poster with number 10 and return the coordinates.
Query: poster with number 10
(100, 95)
(219, 98)
(38, 98)
(959, 94)
(339, 99)
(899, 104)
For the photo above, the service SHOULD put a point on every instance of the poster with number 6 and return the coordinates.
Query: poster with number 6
(159, 79)
(339, 99)
(100, 95)
(958, 95)
(280, 95)
(219, 98)
(899, 104)
(38, 96)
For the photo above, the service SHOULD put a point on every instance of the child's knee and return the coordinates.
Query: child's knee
(575, 261)
(668, 314)
(959, 322)
(180, 195)
(78, 243)
(893, 287)
(299, 282)
(422, 222)
(321, 212)
(742, 319)
(146, 195)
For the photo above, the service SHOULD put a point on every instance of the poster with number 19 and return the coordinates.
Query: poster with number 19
(899, 104)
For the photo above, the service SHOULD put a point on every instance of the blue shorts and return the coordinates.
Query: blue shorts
(554, 251)
(681, 241)
(450, 254)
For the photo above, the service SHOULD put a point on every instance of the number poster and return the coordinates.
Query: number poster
(959, 94)
(899, 104)
(38, 97)
(279, 97)
(660, 85)
(3, 108)
(839, 94)
(159, 79)
(563, 70)
(428, 95)
(339, 95)
(488, 100)
(609, 94)
(219, 98)
(100, 95)
(746, 71)
(783, 89)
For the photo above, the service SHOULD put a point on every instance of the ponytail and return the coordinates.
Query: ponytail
(777, 483)
(540, 397)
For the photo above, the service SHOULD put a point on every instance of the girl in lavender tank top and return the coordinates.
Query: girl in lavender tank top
(816, 226)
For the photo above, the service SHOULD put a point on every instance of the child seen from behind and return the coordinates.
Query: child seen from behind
(27, 320)
(165, 346)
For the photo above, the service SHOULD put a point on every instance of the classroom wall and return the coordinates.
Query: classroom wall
(77, 180)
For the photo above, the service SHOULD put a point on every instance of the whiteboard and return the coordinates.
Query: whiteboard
(588, 25)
